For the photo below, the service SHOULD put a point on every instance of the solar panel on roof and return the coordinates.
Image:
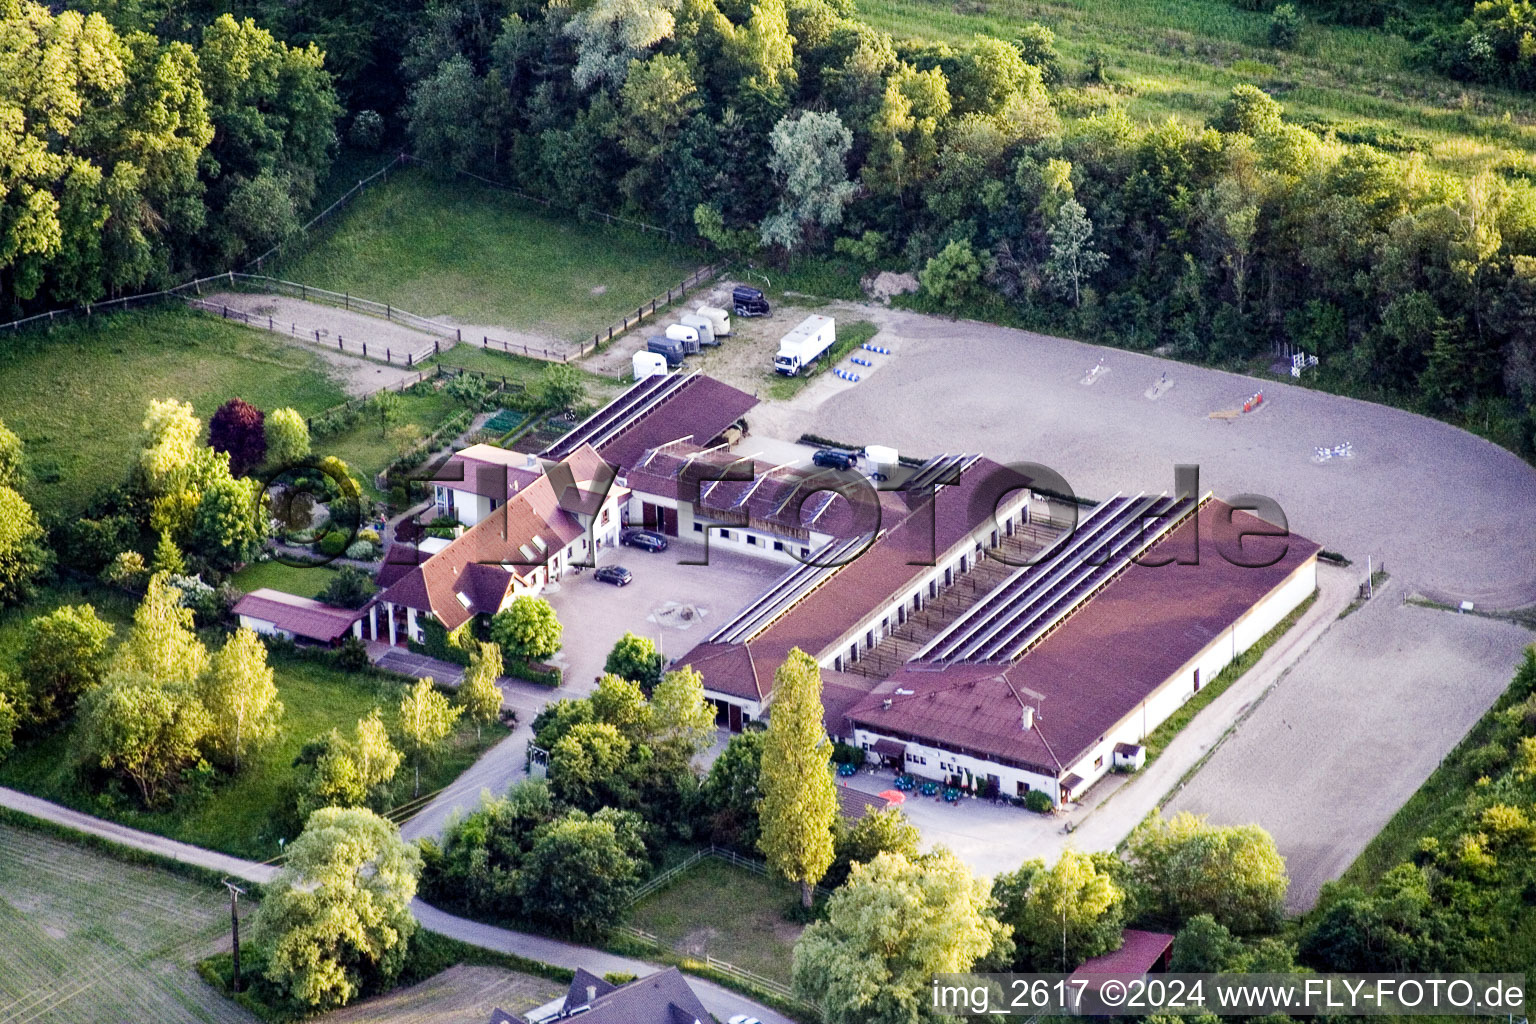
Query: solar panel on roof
(615, 417)
(1036, 598)
(786, 592)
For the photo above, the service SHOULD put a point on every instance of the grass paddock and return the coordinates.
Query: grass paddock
(481, 255)
(727, 912)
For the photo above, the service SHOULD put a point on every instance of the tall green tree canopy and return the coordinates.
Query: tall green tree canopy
(65, 653)
(799, 804)
(337, 917)
(895, 924)
(1188, 867)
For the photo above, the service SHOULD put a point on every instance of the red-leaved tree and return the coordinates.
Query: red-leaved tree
(239, 428)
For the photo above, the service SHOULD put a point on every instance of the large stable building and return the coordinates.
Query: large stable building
(966, 626)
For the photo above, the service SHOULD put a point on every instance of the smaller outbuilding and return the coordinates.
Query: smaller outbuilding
(276, 613)
(1140, 953)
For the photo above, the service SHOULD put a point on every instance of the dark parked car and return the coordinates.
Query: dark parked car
(645, 540)
(615, 574)
(749, 302)
(834, 458)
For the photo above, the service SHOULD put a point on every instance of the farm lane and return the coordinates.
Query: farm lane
(720, 1001)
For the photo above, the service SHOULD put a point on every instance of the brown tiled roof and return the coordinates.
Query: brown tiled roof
(967, 708)
(840, 691)
(855, 804)
(464, 566)
(700, 410)
(399, 560)
(903, 552)
(302, 616)
(1139, 952)
(487, 470)
(1101, 663)
(476, 563)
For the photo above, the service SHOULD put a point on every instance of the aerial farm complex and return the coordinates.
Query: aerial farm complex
(965, 625)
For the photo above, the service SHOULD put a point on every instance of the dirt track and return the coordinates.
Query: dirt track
(1356, 727)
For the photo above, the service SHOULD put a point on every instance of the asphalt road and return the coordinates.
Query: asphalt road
(721, 1002)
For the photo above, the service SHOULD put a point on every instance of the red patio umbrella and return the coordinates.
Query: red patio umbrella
(893, 796)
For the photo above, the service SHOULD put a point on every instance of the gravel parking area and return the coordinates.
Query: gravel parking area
(676, 605)
(1439, 505)
(1334, 750)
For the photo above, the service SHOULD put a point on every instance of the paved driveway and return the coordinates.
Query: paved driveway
(406, 662)
(674, 604)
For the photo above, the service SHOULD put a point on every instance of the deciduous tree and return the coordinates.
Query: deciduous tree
(426, 719)
(895, 924)
(1070, 912)
(635, 658)
(581, 873)
(1187, 867)
(10, 457)
(621, 703)
(238, 429)
(65, 654)
(350, 587)
(142, 729)
(799, 797)
(337, 917)
(561, 387)
(287, 437)
(808, 157)
(587, 766)
(681, 716)
(883, 831)
(1073, 258)
(527, 628)
(23, 557)
(478, 693)
(162, 643)
(732, 793)
(10, 719)
(241, 698)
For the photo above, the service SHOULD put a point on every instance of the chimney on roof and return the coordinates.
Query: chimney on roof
(591, 993)
(886, 703)
(532, 462)
(1028, 718)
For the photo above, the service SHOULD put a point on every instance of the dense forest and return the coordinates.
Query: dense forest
(785, 131)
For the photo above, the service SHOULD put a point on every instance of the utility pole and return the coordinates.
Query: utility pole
(235, 892)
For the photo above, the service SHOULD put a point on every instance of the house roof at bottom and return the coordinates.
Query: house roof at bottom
(1139, 952)
(302, 616)
(1104, 659)
(661, 998)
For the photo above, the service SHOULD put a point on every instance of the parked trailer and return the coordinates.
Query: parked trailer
(805, 344)
(720, 319)
(703, 324)
(648, 364)
(669, 349)
(687, 335)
